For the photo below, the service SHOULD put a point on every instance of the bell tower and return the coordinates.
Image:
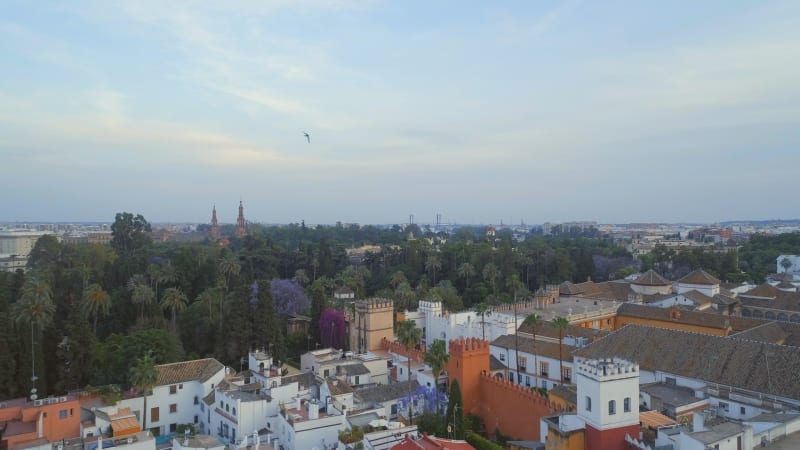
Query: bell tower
(240, 227)
(214, 224)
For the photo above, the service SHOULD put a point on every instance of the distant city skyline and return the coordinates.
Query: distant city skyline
(628, 112)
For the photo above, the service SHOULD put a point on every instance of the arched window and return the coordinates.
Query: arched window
(627, 404)
(588, 403)
(612, 407)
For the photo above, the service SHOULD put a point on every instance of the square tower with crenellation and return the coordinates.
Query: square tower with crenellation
(372, 322)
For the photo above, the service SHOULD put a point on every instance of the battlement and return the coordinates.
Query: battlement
(465, 345)
(375, 303)
(607, 368)
(397, 348)
(509, 307)
(523, 393)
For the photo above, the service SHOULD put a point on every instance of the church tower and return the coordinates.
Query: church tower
(214, 224)
(240, 227)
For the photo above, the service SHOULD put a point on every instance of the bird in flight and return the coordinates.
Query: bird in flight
(308, 137)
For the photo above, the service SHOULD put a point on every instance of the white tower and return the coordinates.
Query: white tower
(608, 401)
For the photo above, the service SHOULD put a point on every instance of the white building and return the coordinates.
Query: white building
(699, 280)
(176, 398)
(438, 324)
(364, 369)
(303, 425)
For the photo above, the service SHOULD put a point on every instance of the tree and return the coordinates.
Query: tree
(409, 335)
(433, 263)
(455, 411)
(229, 267)
(144, 377)
(289, 298)
(482, 308)
(561, 324)
(332, 328)
(490, 274)
(142, 295)
(209, 298)
(533, 320)
(466, 271)
(36, 308)
(397, 279)
(786, 263)
(96, 301)
(436, 356)
(129, 233)
(175, 301)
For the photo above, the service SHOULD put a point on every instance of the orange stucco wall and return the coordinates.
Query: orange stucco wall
(58, 420)
(513, 409)
(621, 321)
(573, 441)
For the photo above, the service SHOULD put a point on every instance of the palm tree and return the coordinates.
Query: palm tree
(533, 320)
(36, 307)
(433, 263)
(405, 294)
(229, 267)
(142, 295)
(409, 335)
(175, 301)
(397, 279)
(562, 324)
(210, 297)
(95, 302)
(490, 274)
(786, 263)
(436, 356)
(466, 271)
(144, 377)
(168, 274)
(482, 308)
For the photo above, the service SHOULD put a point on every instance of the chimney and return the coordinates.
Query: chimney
(698, 421)
(313, 409)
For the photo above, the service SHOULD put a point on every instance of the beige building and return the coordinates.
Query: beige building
(372, 322)
(15, 246)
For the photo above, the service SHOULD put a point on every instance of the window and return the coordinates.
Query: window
(154, 414)
(626, 404)
(566, 372)
(724, 406)
(234, 411)
(394, 409)
(327, 372)
(173, 408)
(196, 419)
(173, 427)
(522, 363)
(588, 403)
(612, 407)
(544, 368)
(180, 386)
(62, 414)
(227, 408)
(670, 381)
(742, 411)
(357, 379)
(527, 381)
(71, 412)
(196, 400)
(173, 389)
(502, 357)
(202, 407)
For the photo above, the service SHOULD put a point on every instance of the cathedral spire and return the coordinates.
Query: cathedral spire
(214, 224)
(240, 227)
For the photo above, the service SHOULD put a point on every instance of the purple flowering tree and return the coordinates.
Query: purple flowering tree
(332, 328)
(288, 297)
(429, 399)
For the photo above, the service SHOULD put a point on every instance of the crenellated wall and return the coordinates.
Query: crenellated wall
(396, 347)
(513, 409)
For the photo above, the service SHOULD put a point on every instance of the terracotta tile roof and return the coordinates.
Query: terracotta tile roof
(569, 288)
(651, 278)
(426, 442)
(763, 290)
(546, 328)
(655, 419)
(699, 276)
(386, 392)
(724, 360)
(704, 319)
(180, 372)
(768, 332)
(548, 349)
(698, 298)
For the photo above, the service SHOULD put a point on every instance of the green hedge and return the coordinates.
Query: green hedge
(481, 443)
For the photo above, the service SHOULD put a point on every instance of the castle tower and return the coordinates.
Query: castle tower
(214, 224)
(469, 358)
(371, 324)
(608, 401)
(240, 226)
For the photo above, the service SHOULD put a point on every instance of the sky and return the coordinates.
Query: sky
(534, 111)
